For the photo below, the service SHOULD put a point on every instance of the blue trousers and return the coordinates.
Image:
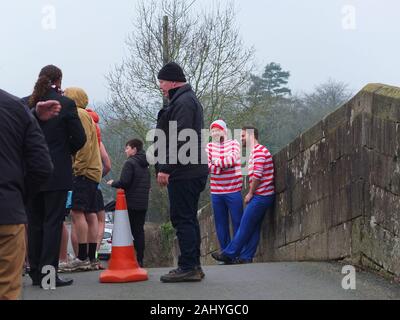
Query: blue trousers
(244, 243)
(223, 204)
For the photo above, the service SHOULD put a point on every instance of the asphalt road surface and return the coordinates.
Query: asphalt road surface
(263, 281)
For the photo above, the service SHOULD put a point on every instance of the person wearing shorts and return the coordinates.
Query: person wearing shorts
(87, 176)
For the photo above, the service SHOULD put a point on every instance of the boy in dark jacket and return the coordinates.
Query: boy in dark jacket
(135, 180)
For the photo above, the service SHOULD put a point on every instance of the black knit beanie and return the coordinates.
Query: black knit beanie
(172, 72)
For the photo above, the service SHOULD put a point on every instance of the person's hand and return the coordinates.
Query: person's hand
(248, 197)
(163, 179)
(110, 182)
(46, 110)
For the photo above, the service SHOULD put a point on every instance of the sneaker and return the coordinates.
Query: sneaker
(78, 265)
(179, 275)
(63, 267)
(96, 265)
(222, 258)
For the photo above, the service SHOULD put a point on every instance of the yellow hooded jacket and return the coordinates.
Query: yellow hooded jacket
(87, 161)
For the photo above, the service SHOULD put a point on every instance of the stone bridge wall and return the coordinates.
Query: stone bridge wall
(338, 189)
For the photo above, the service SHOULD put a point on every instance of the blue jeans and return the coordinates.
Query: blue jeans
(223, 204)
(245, 242)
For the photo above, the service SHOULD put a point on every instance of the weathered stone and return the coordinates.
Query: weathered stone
(281, 158)
(286, 253)
(385, 210)
(318, 247)
(281, 174)
(339, 241)
(387, 107)
(278, 224)
(311, 136)
(339, 142)
(336, 119)
(313, 218)
(385, 171)
(382, 248)
(294, 148)
(154, 255)
(356, 240)
(293, 226)
(300, 194)
(361, 103)
(385, 136)
(302, 248)
(360, 131)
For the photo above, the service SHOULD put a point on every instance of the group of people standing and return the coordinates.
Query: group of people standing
(51, 148)
(224, 162)
(53, 161)
(186, 181)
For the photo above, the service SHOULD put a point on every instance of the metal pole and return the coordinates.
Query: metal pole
(166, 57)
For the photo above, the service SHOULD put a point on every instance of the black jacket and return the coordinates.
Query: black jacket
(24, 158)
(65, 136)
(186, 110)
(135, 180)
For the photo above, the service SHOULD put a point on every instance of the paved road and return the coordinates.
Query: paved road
(307, 280)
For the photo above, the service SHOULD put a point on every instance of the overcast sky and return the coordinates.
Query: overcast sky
(355, 41)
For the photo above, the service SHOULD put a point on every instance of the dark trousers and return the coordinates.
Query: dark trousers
(136, 220)
(184, 200)
(46, 214)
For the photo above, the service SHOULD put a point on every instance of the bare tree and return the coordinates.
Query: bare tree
(207, 45)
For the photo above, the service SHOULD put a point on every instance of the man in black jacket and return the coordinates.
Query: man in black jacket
(185, 178)
(135, 180)
(24, 165)
(65, 136)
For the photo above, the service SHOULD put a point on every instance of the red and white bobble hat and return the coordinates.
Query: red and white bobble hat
(219, 124)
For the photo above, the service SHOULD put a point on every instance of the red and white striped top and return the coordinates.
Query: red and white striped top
(261, 167)
(224, 166)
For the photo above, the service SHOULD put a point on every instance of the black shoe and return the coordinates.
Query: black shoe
(198, 268)
(223, 258)
(202, 274)
(243, 261)
(179, 275)
(36, 278)
(60, 282)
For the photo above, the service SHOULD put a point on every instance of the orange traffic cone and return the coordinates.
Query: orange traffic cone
(123, 266)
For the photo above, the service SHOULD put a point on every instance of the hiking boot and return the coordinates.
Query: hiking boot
(202, 274)
(198, 268)
(222, 258)
(78, 265)
(179, 275)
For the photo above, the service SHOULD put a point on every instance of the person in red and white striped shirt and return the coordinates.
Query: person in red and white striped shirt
(260, 197)
(225, 181)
